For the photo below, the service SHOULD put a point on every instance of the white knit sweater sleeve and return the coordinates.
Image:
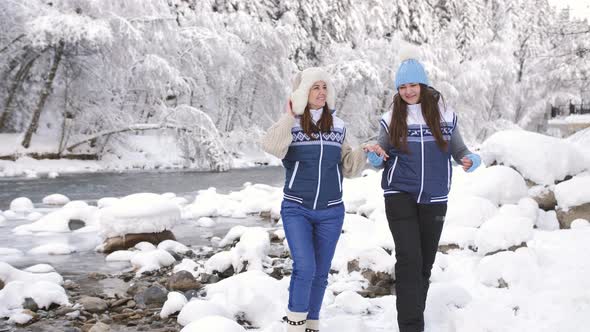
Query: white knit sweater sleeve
(353, 160)
(278, 137)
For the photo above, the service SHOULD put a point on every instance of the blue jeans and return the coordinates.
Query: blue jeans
(312, 236)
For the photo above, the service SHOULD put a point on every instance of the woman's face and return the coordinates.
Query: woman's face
(410, 93)
(317, 95)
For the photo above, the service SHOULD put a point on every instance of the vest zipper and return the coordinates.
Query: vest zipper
(317, 195)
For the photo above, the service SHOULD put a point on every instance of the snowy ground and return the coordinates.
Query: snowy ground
(510, 267)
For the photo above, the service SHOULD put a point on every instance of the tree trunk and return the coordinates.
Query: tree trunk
(44, 94)
(18, 80)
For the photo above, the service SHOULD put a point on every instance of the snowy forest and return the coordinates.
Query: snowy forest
(102, 78)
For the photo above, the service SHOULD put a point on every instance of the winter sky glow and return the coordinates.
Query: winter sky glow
(579, 8)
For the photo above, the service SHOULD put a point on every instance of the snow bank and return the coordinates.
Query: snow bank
(498, 184)
(252, 199)
(542, 159)
(501, 232)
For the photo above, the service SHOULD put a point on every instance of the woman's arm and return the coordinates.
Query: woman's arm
(458, 147)
(278, 137)
(469, 160)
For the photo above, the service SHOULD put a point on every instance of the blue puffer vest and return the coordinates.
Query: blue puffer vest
(313, 166)
(425, 172)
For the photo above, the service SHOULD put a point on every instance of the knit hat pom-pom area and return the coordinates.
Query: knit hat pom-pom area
(409, 51)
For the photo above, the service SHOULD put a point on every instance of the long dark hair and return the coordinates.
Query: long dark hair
(324, 124)
(398, 127)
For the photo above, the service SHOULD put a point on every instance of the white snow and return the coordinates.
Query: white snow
(502, 232)
(519, 267)
(138, 213)
(151, 260)
(9, 255)
(56, 199)
(187, 265)
(547, 220)
(9, 214)
(9, 274)
(220, 262)
(173, 304)
(76, 205)
(352, 303)
(251, 199)
(44, 293)
(580, 223)
(206, 222)
(253, 247)
(106, 202)
(542, 159)
(58, 220)
(144, 257)
(573, 192)
(120, 255)
(213, 324)
(469, 211)
(21, 204)
(43, 288)
(173, 246)
(261, 298)
(40, 268)
(34, 216)
(498, 184)
(53, 249)
(197, 309)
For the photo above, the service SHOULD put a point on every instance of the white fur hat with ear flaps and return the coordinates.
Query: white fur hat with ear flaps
(303, 83)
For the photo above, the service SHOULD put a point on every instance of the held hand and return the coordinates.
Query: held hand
(470, 162)
(374, 159)
(376, 148)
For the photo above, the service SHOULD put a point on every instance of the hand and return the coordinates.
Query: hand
(375, 159)
(289, 108)
(470, 162)
(377, 149)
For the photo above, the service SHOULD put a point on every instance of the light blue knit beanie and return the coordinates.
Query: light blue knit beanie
(410, 71)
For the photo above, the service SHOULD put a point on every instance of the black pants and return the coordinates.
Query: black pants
(416, 230)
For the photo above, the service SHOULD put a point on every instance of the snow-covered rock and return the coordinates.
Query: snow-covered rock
(502, 232)
(539, 158)
(56, 199)
(498, 184)
(213, 324)
(138, 213)
(21, 204)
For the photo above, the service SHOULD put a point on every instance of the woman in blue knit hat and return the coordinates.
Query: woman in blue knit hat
(417, 139)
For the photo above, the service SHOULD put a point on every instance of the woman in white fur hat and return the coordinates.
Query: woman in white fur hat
(417, 140)
(310, 140)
